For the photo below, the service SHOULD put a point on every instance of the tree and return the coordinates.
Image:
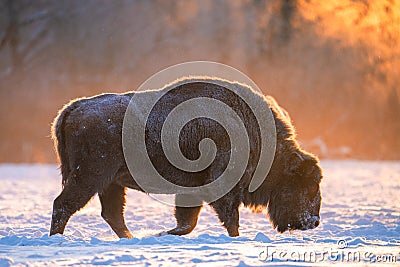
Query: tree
(22, 51)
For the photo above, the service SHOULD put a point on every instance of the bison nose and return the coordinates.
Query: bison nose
(316, 223)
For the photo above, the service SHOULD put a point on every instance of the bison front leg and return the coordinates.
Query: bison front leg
(186, 220)
(112, 209)
(186, 217)
(73, 197)
(227, 209)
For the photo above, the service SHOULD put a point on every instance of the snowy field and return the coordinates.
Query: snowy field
(360, 225)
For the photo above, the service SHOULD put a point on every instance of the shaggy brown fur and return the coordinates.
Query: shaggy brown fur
(88, 138)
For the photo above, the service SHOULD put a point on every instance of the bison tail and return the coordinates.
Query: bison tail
(58, 136)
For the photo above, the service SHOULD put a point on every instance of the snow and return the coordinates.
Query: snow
(360, 216)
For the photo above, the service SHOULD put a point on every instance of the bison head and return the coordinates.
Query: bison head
(295, 199)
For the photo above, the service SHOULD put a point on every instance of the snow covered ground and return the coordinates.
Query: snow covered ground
(360, 224)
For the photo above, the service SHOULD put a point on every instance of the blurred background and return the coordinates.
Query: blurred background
(334, 65)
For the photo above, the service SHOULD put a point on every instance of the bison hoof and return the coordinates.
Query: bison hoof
(181, 230)
(233, 232)
(163, 233)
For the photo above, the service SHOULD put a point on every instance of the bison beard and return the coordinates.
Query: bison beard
(87, 134)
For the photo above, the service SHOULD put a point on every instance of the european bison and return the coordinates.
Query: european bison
(87, 135)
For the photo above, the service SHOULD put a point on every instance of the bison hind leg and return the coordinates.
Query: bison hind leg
(73, 197)
(112, 201)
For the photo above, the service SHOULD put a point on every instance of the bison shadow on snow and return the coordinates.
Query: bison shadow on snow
(87, 135)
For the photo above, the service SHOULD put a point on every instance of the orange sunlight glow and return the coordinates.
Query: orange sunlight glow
(371, 26)
(354, 21)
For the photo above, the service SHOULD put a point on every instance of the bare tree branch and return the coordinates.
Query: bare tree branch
(35, 17)
(30, 54)
(37, 37)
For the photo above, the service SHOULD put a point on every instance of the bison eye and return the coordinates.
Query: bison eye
(312, 190)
